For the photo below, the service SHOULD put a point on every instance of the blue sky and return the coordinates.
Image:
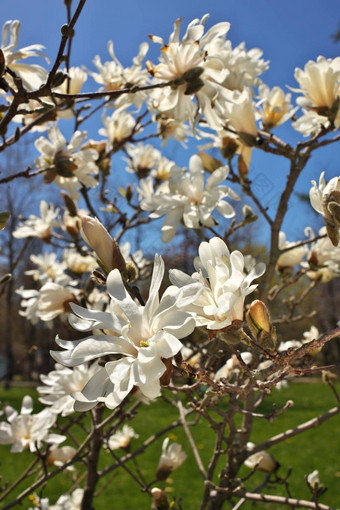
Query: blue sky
(290, 33)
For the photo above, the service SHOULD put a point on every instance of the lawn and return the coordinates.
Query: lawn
(318, 448)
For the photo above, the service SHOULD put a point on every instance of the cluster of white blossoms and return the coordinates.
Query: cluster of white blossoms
(25, 430)
(190, 199)
(39, 226)
(62, 163)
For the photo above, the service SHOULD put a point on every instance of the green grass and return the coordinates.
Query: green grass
(318, 448)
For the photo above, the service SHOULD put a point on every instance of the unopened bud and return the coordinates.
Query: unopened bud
(209, 163)
(331, 207)
(4, 216)
(229, 147)
(262, 461)
(105, 247)
(248, 213)
(69, 203)
(159, 499)
(258, 320)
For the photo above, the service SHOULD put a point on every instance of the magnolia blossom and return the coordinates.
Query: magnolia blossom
(172, 457)
(32, 75)
(240, 112)
(193, 72)
(113, 76)
(59, 456)
(275, 106)
(79, 263)
(289, 258)
(325, 199)
(27, 430)
(121, 438)
(262, 461)
(49, 268)
(191, 199)
(39, 226)
(59, 384)
(65, 502)
(142, 336)
(320, 85)
(232, 366)
(68, 168)
(30, 302)
(119, 127)
(313, 479)
(310, 123)
(142, 158)
(76, 77)
(216, 292)
(55, 300)
(323, 261)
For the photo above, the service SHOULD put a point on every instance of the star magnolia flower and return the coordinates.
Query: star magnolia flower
(122, 438)
(36, 226)
(59, 456)
(68, 168)
(320, 85)
(33, 76)
(325, 199)
(323, 261)
(60, 383)
(26, 430)
(288, 259)
(142, 158)
(55, 300)
(119, 127)
(48, 269)
(142, 336)
(190, 199)
(172, 457)
(30, 302)
(65, 502)
(192, 70)
(313, 479)
(216, 292)
(262, 461)
(275, 106)
(113, 76)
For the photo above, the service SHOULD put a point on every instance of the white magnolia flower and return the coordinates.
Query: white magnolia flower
(27, 430)
(57, 456)
(32, 75)
(325, 199)
(320, 85)
(289, 344)
(60, 383)
(69, 168)
(65, 502)
(79, 263)
(76, 77)
(243, 66)
(323, 261)
(262, 461)
(193, 71)
(240, 111)
(142, 159)
(288, 259)
(276, 107)
(216, 292)
(171, 458)
(232, 366)
(191, 199)
(119, 127)
(121, 438)
(49, 268)
(113, 76)
(55, 300)
(310, 123)
(313, 479)
(39, 226)
(30, 301)
(311, 334)
(141, 335)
